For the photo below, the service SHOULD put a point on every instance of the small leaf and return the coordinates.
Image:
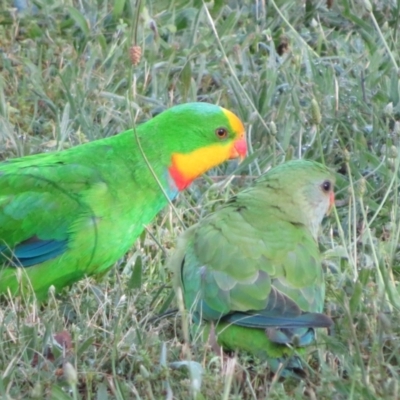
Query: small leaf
(135, 282)
(186, 77)
(102, 41)
(356, 298)
(118, 8)
(85, 345)
(394, 88)
(58, 394)
(102, 392)
(79, 19)
(167, 302)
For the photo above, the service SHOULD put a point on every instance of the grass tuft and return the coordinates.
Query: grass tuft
(311, 79)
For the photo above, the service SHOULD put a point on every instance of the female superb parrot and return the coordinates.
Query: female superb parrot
(253, 268)
(72, 214)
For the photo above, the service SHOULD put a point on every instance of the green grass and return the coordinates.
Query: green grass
(332, 95)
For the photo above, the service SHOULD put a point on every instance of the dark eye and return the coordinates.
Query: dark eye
(221, 133)
(326, 186)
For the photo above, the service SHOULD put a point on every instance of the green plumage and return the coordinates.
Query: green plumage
(253, 268)
(75, 213)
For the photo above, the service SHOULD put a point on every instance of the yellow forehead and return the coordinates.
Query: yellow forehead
(235, 123)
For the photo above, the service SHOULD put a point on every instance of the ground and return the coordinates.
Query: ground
(314, 79)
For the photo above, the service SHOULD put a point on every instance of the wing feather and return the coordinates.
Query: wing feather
(274, 275)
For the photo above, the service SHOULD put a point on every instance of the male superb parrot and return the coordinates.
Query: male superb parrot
(253, 269)
(74, 213)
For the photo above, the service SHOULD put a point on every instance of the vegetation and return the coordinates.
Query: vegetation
(315, 80)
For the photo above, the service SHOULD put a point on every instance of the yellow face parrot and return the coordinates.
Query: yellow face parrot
(74, 213)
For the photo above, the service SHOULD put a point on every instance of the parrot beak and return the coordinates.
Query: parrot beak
(331, 202)
(239, 149)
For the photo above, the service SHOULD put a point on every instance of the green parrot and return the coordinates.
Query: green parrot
(74, 213)
(252, 269)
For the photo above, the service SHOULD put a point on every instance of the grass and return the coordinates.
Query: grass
(309, 81)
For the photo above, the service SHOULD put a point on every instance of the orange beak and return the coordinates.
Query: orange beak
(239, 149)
(331, 202)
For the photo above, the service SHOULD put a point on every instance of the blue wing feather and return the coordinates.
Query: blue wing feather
(258, 320)
(32, 251)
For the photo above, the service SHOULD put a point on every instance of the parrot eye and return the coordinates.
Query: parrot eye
(326, 186)
(221, 133)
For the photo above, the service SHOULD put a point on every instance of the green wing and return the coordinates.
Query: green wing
(236, 263)
(38, 204)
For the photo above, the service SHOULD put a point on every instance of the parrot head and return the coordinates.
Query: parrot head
(317, 193)
(205, 135)
(308, 186)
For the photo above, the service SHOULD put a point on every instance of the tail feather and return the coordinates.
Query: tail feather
(304, 320)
